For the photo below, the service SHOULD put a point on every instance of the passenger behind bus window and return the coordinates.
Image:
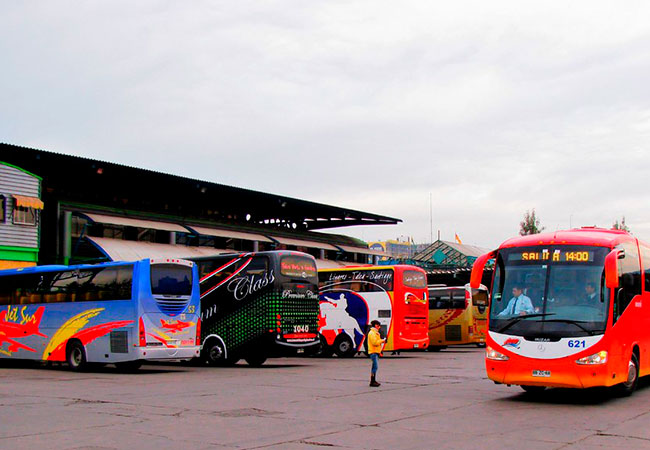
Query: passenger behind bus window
(519, 304)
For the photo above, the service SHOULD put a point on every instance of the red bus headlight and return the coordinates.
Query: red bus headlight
(596, 358)
(492, 354)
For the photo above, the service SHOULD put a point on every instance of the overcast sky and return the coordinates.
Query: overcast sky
(488, 109)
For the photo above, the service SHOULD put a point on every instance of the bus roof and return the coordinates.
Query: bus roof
(58, 268)
(601, 237)
(368, 267)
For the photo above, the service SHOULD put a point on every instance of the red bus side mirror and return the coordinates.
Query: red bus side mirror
(611, 268)
(477, 269)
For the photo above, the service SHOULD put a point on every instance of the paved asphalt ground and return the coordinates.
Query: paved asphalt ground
(427, 401)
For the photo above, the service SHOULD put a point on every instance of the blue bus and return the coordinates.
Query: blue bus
(119, 312)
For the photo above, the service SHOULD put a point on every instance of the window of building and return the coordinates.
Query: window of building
(25, 216)
(3, 209)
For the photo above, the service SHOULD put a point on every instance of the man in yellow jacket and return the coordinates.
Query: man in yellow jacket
(374, 349)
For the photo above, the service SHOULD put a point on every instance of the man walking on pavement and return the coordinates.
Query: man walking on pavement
(374, 349)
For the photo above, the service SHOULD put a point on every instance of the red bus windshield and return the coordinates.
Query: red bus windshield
(550, 291)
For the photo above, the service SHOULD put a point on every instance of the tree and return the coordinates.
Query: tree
(530, 224)
(621, 225)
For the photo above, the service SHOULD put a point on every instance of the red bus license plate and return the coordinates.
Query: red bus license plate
(542, 373)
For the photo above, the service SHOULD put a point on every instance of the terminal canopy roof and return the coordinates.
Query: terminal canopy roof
(72, 179)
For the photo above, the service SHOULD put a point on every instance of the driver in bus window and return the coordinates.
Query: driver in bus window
(519, 304)
(591, 296)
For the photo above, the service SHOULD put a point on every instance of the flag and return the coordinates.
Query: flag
(457, 238)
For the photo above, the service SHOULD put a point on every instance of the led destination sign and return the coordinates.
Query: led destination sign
(558, 255)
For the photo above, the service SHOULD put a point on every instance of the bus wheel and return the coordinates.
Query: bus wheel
(343, 347)
(534, 390)
(76, 356)
(214, 353)
(255, 360)
(324, 350)
(628, 386)
(128, 366)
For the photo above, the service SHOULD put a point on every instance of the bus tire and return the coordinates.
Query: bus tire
(626, 388)
(76, 356)
(255, 360)
(214, 353)
(436, 348)
(129, 366)
(343, 347)
(324, 350)
(534, 390)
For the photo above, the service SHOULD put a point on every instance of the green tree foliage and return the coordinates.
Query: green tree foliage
(530, 224)
(621, 225)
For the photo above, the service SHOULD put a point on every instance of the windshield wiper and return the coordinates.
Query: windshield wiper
(514, 320)
(573, 322)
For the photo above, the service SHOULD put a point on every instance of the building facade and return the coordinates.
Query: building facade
(20, 215)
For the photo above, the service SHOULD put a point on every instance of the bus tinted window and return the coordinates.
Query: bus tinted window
(110, 283)
(297, 267)
(415, 279)
(93, 284)
(447, 299)
(171, 279)
(645, 255)
(629, 279)
(479, 297)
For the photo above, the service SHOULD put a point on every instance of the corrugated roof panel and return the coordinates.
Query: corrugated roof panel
(138, 223)
(220, 232)
(120, 250)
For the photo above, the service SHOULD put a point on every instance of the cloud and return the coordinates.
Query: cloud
(490, 108)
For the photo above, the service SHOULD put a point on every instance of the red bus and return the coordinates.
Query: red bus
(352, 297)
(569, 309)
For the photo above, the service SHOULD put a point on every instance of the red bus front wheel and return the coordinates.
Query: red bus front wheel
(628, 386)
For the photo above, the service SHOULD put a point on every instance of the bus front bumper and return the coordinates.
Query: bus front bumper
(167, 353)
(564, 373)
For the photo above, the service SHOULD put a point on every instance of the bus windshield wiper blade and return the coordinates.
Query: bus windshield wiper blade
(514, 320)
(573, 322)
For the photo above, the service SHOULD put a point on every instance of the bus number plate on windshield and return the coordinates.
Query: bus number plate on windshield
(542, 373)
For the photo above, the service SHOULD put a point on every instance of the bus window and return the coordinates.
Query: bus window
(440, 299)
(171, 279)
(629, 279)
(297, 267)
(415, 279)
(645, 255)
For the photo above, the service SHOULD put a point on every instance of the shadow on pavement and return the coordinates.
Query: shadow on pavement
(560, 396)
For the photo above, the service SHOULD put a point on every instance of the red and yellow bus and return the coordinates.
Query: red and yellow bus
(569, 309)
(457, 315)
(352, 297)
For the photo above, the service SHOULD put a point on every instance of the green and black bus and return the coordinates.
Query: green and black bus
(257, 306)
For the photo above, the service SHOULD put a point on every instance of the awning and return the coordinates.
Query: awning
(28, 202)
(138, 223)
(303, 243)
(361, 250)
(220, 232)
(120, 250)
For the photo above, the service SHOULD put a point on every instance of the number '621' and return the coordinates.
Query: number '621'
(576, 343)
